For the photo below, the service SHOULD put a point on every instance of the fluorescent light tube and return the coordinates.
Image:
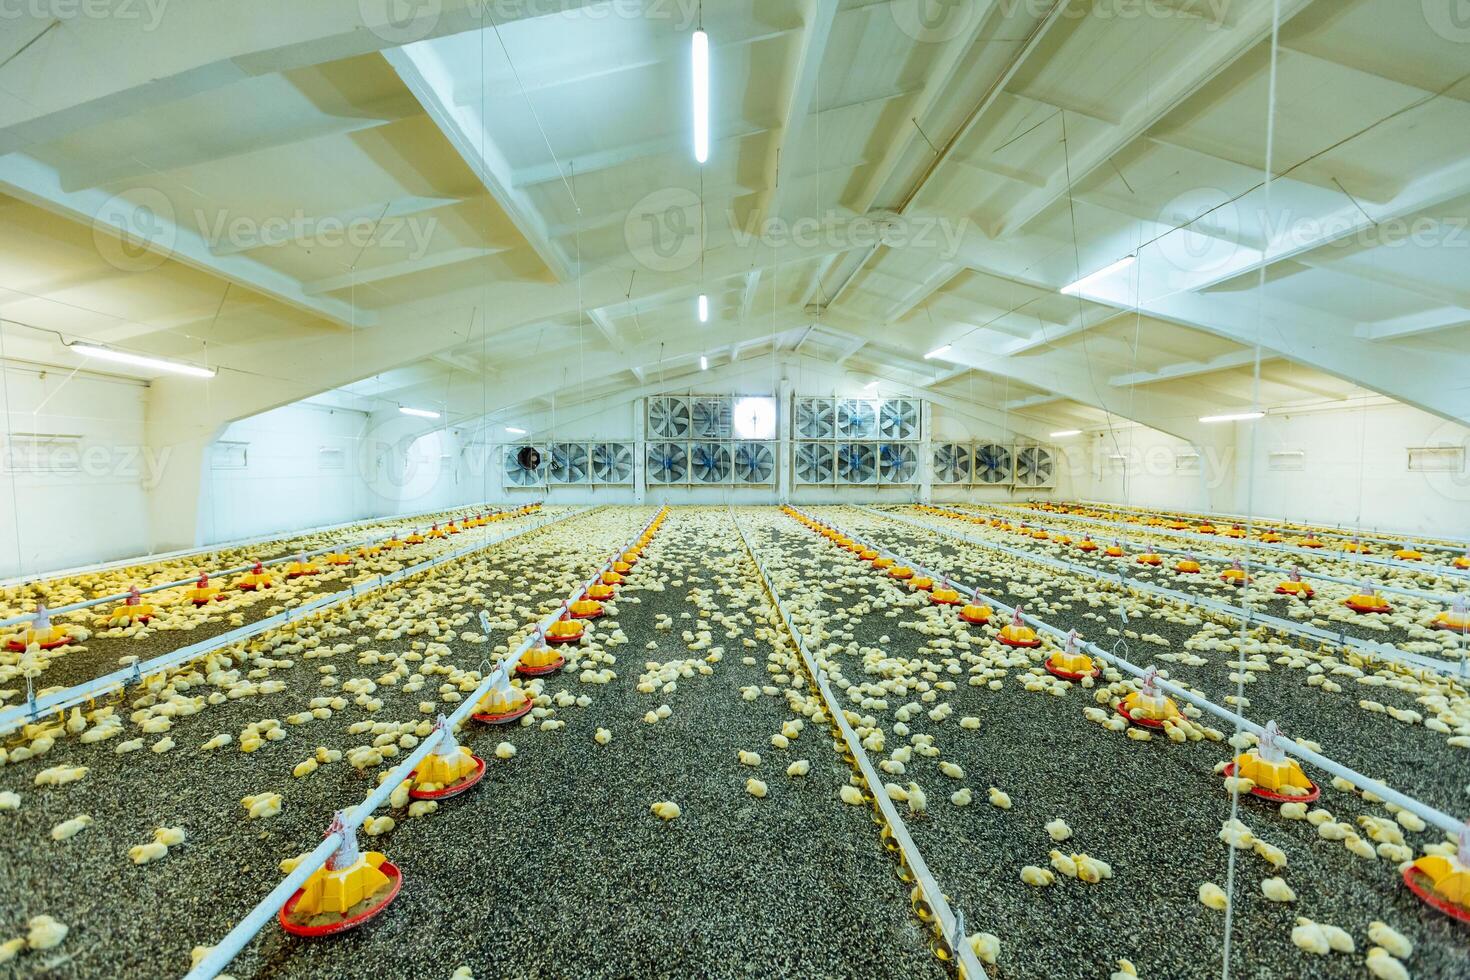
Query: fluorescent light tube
(514, 431)
(141, 360)
(1236, 417)
(1066, 432)
(703, 308)
(701, 96)
(421, 413)
(939, 352)
(703, 363)
(871, 385)
(1073, 288)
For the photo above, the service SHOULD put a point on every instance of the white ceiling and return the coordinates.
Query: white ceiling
(482, 217)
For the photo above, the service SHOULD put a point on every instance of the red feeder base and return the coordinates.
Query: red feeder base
(453, 789)
(374, 905)
(18, 646)
(525, 671)
(977, 621)
(1301, 595)
(1067, 675)
(1028, 644)
(590, 615)
(504, 718)
(1313, 795)
(1421, 886)
(1142, 722)
(1360, 609)
(945, 602)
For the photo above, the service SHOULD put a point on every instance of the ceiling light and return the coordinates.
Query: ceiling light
(420, 413)
(703, 308)
(871, 385)
(1236, 417)
(514, 431)
(141, 360)
(939, 352)
(703, 363)
(1066, 432)
(701, 96)
(1073, 288)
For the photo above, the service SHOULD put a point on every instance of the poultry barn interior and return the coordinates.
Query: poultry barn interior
(782, 488)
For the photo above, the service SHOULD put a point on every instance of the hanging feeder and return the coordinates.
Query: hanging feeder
(564, 630)
(1456, 618)
(923, 583)
(1310, 541)
(1235, 575)
(1442, 881)
(133, 610)
(202, 594)
(1356, 547)
(40, 633)
(585, 608)
(337, 558)
(1367, 601)
(1149, 558)
(884, 563)
(448, 770)
(900, 572)
(1017, 634)
(1294, 586)
(1407, 553)
(502, 704)
(1463, 561)
(254, 580)
(976, 614)
(944, 595)
(1233, 531)
(1277, 777)
(1087, 544)
(1187, 566)
(1272, 537)
(1114, 550)
(301, 566)
(414, 538)
(600, 592)
(435, 532)
(1147, 707)
(1071, 664)
(351, 888)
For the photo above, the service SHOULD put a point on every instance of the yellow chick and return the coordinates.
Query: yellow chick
(422, 808)
(1273, 855)
(750, 758)
(602, 737)
(851, 794)
(1212, 896)
(60, 775)
(1294, 811)
(961, 797)
(666, 810)
(11, 948)
(952, 770)
(1359, 847)
(1390, 939)
(9, 800)
(169, 836)
(1383, 965)
(144, 853)
(1058, 830)
(505, 751)
(374, 826)
(45, 932)
(799, 768)
(755, 788)
(1337, 938)
(68, 829)
(1277, 890)
(917, 800)
(398, 799)
(999, 799)
(1126, 970)
(1308, 937)
(1037, 877)
(218, 742)
(986, 947)
(262, 805)
(131, 745)
(1090, 869)
(304, 768)
(1063, 864)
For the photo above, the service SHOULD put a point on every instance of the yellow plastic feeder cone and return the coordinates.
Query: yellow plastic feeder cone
(503, 703)
(1187, 566)
(255, 580)
(921, 582)
(302, 567)
(944, 596)
(133, 610)
(1443, 881)
(1463, 561)
(1356, 547)
(1271, 537)
(451, 528)
(1294, 586)
(435, 531)
(40, 633)
(600, 592)
(393, 543)
(202, 594)
(1456, 618)
(975, 613)
(900, 572)
(1276, 776)
(352, 887)
(448, 770)
(1234, 575)
(1149, 558)
(1310, 541)
(1147, 706)
(1234, 531)
(1407, 553)
(414, 538)
(585, 608)
(1367, 601)
(1017, 634)
(1114, 550)
(868, 554)
(1071, 663)
(337, 558)
(370, 551)
(1087, 544)
(612, 577)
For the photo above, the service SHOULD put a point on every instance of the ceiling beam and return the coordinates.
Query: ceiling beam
(937, 279)
(597, 161)
(271, 234)
(1415, 324)
(1190, 369)
(1031, 401)
(1217, 51)
(432, 82)
(394, 270)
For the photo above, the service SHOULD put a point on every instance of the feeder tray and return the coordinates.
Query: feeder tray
(18, 644)
(944, 597)
(338, 558)
(612, 578)
(1356, 548)
(370, 551)
(1300, 589)
(1150, 559)
(1362, 603)
(392, 544)
(528, 671)
(868, 554)
(600, 592)
(1113, 551)
(453, 789)
(564, 631)
(451, 528)
(1187, 567)
(900, 572)
(1462, 562)
(1068, 675)
(1311, 796)
(1408, 554)
(299, 569)
(883, 563)
(414, 538)
(434, 532)
(128, 615)
(1235, 531)
(979, 615)
(203, 597)
(1234, 576)
(504, 717)
(1062, 539)
(1271, 537)
(1206, 529)
(1025, 636)
(1310, 543)
(585, 608)
(355, 916)
(1143, 722)
(1422, 885)
(1450, 621)
(922, 582)
(1087, 545)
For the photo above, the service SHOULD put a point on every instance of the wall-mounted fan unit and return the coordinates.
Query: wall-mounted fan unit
(755, 463)
(1036, 467)
(709, 462)
(711, 418)
(524, 466)
(857, 418)
(815, 463)
(668, 417)
(567, 462)
(951, 463)
(815, 418)
(897, 463)
(992, 465)
(898, 419)
(667, 462)
(612, 462)
(857, 463)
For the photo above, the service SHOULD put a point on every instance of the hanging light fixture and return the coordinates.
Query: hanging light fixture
(700, 59)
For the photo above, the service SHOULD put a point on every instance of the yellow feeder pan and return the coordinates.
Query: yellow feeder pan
(1234, 531)
(301, 567)
(1017, 634)
(337, 558)
(542, 659)
(1463, 561)
(629, 558)
(1366, 602)
(451, 528)
(1408, 554)
(202, 594)
(1146, 706)
(351, 888)
(1456, 618)
(448, 770)
(622, 567)
(900, 572)
(1149, 558)
(1276, 776)
(564, 631)
(1062, 539)
(612, 577)
(393, 543)
(1271, 537)
(945, 596)
(1356, 547)
(1087, 544)
(1235, 575)
(976, 614)
(254, 580)
(922, 582)
(882, 562)
(370, 551)
(1177, 526)
(1206, 529)
(502, 704)
(1442, 881)
(40, 633)
(435, 531)
(133, 610)
(1114, 551)
(600, 592)
(1071, 664)
(414, 538)
(1310, 541)
(585, 608)
(867, 554)
(1187, 566)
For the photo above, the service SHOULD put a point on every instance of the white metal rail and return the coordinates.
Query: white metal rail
(951, 926)
(35, 708)
(1449, 824)
(220, 955)
(1368, 648)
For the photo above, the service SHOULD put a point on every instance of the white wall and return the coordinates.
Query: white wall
(1143, 467)
(92, 505)
(288, 481)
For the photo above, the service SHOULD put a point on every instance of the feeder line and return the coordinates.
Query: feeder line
(1450, 825)
(58, 701)
(950, 926)
(220, 955)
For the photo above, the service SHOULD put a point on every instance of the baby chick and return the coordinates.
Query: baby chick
(505, 750)
(665, 810)
(999, 799)
(144, 853)
(262, 805)
(68, 829)
(1277, 890)
(602, 737)
(1212, 896)
(45, 932)
(952, 770)
(986, 947)
(799, 768)
(755, 788)
(917, 800)
(961, 797)
(1058, 830)
(9, 800)
(1390, 939)
(851, 794)
(1037, 877)
(750, 758)
(1383, 965)
(169, 836)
